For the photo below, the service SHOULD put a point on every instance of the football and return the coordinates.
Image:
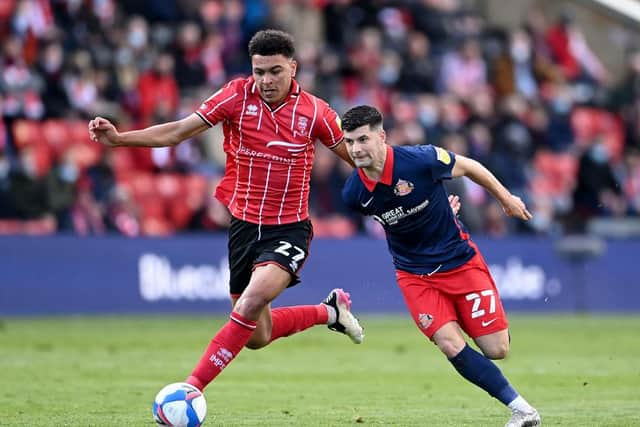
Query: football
(180, 405)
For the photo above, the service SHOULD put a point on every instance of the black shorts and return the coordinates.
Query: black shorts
(251, 245)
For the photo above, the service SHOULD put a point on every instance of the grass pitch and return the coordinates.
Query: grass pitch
(105, 371)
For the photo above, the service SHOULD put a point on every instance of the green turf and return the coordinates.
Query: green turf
(90, 371)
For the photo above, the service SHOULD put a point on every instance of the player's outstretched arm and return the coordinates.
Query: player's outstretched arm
(164, 135)
(512, 205)
(341, 151)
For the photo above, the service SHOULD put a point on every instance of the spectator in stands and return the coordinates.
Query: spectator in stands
(189, 67)
(19, 83)
(27, 192)
(61, 187)
(51, 68)
(631, 179)
(6, 207)
(598, 191)
(570, 50)
(418, 70)
(624, 98)
(513, 145)
(158, 90)
(464, 71)
(518, 70)
(560, 107)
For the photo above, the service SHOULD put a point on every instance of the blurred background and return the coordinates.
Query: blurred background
(545, 93)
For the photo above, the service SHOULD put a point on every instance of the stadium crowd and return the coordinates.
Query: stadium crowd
(535, 104)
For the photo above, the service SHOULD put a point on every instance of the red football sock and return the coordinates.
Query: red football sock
(224, 346)
(290, 320)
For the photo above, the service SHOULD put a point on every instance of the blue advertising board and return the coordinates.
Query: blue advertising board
(67, 275)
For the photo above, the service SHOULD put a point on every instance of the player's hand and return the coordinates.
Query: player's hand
(454, 202)
(514, 206)
(103, 131)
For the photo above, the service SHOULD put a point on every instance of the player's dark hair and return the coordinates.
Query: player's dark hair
(360, 116)
(272, 42)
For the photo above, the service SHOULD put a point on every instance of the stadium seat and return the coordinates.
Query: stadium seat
(122, 162)
(26, 132)
(79, 132)
(555, 173)
(590, 123)
(169, 186)
(197, 191)
(142, 184)
(56, 135)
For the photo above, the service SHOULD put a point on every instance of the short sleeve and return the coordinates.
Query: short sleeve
(329, 129)
(437, 160)
(221, 104)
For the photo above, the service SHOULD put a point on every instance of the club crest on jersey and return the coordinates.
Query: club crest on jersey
(252, 110)
(403, 188)
(303, 122)
(425, 320)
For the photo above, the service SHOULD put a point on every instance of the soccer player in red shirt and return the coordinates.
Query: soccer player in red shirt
(270, 127)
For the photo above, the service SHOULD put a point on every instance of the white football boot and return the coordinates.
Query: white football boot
(346, 322)
(524, 419)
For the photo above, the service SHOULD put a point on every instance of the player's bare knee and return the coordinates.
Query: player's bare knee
(257, 344)
(251, 306)
(450, 347)
(497, 351)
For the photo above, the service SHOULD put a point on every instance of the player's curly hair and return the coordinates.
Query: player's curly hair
(360, 116)
(272, 42)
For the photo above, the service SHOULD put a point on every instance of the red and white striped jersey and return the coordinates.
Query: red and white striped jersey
(269, 150)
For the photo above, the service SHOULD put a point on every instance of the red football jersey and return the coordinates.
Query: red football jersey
(269, 150)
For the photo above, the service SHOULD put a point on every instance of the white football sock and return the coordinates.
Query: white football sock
(333, 316)
(520, 404)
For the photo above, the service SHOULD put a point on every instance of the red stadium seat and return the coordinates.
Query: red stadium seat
(169, 186)
(555, 173)
(142, 184)
(180, 212)
(122, 162)
(197, 191)
(26, 132)
(591, 123)
(79, 132)
(57, 136)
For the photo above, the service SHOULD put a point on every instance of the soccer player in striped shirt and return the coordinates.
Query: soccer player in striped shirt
(445, 281)
(270, 128)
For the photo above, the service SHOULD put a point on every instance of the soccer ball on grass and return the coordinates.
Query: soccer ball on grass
(179, 405)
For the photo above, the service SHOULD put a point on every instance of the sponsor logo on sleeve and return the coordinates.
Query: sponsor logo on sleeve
(443, 155)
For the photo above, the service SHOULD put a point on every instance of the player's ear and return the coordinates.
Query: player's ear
(294, 67)
(383, 136)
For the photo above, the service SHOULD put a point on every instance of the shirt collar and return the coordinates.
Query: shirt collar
(387, 173)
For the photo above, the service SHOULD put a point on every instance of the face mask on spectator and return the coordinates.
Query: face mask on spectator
(68, 173)
(4, 167)
(29, 167)
(561, 105)
(599, 153)
(428, 117)
(137, 38)
(520, 52)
